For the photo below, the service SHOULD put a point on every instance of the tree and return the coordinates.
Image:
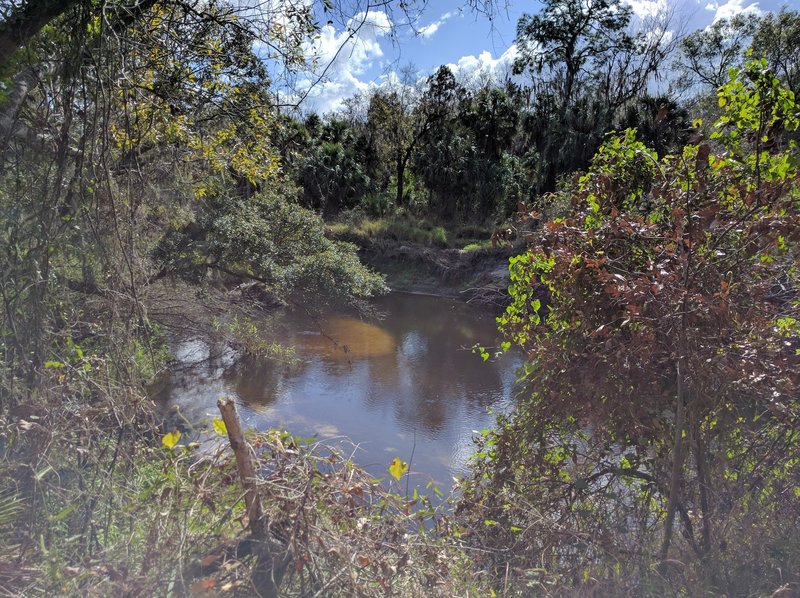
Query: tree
(439, 158)
(706, 56)
(332, 178)
(585, 65)
(398, 124)
(660, 123)
(269, 239)
(19, 22)
(777, 38)
(571, 37)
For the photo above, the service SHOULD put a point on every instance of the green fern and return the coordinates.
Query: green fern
(10, 507)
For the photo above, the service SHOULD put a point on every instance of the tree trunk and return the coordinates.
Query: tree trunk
(401, 170)
(25, 22)
(677, 462)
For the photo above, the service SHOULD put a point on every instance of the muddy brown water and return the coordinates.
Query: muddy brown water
(406, 384)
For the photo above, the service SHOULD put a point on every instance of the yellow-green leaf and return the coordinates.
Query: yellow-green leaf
(219, 427)
(398, 468)
(170, 440)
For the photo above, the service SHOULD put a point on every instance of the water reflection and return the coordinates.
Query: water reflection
(407, 383)
(345, 338)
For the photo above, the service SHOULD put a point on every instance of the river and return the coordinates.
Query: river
(407, 384)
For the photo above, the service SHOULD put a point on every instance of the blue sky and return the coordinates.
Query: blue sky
(447, 33)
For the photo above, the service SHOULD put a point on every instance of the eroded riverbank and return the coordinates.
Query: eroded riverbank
(479, 277)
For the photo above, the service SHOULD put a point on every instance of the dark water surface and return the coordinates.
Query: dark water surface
(408, 382)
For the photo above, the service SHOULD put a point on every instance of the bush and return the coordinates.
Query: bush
(656, 448)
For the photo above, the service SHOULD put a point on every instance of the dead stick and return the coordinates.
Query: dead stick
(273, 558)
(244, 464)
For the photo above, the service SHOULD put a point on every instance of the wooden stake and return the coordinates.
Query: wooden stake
(244, 464)
(273, 556)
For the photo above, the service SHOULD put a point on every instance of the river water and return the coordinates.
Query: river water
(408, 384)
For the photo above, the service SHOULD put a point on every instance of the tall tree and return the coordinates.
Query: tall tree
(706, 56)
(398, 122)
(570, 38)
(777, 38)
(585, 65)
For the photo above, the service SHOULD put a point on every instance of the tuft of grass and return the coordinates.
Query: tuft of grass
(409, 230)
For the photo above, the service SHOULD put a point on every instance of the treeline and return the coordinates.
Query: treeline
(470, 151)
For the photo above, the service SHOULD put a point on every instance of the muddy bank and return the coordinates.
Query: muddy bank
(478, 277)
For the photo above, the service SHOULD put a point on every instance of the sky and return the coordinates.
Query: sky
(386, 45)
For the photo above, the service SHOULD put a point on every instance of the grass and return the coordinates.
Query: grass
(413, 230)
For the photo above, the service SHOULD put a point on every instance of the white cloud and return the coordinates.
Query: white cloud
(340, 57)
(483, 67)
(731, 8)
(647, 9)
(656, 35)
(428, 30)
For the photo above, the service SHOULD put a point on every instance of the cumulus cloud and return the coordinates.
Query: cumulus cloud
(340, 58)
(658, 36)
(428, 30)
(647, 9)
(483, 67)
(731, 8)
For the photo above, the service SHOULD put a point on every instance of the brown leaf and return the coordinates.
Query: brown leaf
(209, 560)
(363, 560)
(703, 152)
(203, 585)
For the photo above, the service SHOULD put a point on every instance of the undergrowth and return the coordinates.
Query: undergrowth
(405, 228)
(127, 512)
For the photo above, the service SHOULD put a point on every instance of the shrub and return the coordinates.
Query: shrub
(662, 379)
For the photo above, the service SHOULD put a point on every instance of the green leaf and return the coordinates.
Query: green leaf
(398, 468)
(62, 513)
(219, 427)
(169, 441)
(40, 474)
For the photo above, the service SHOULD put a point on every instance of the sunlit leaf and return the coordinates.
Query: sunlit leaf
(398, 468)
(169, 441)
(219, 427)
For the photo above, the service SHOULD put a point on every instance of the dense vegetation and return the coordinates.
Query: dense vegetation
(146, 169)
